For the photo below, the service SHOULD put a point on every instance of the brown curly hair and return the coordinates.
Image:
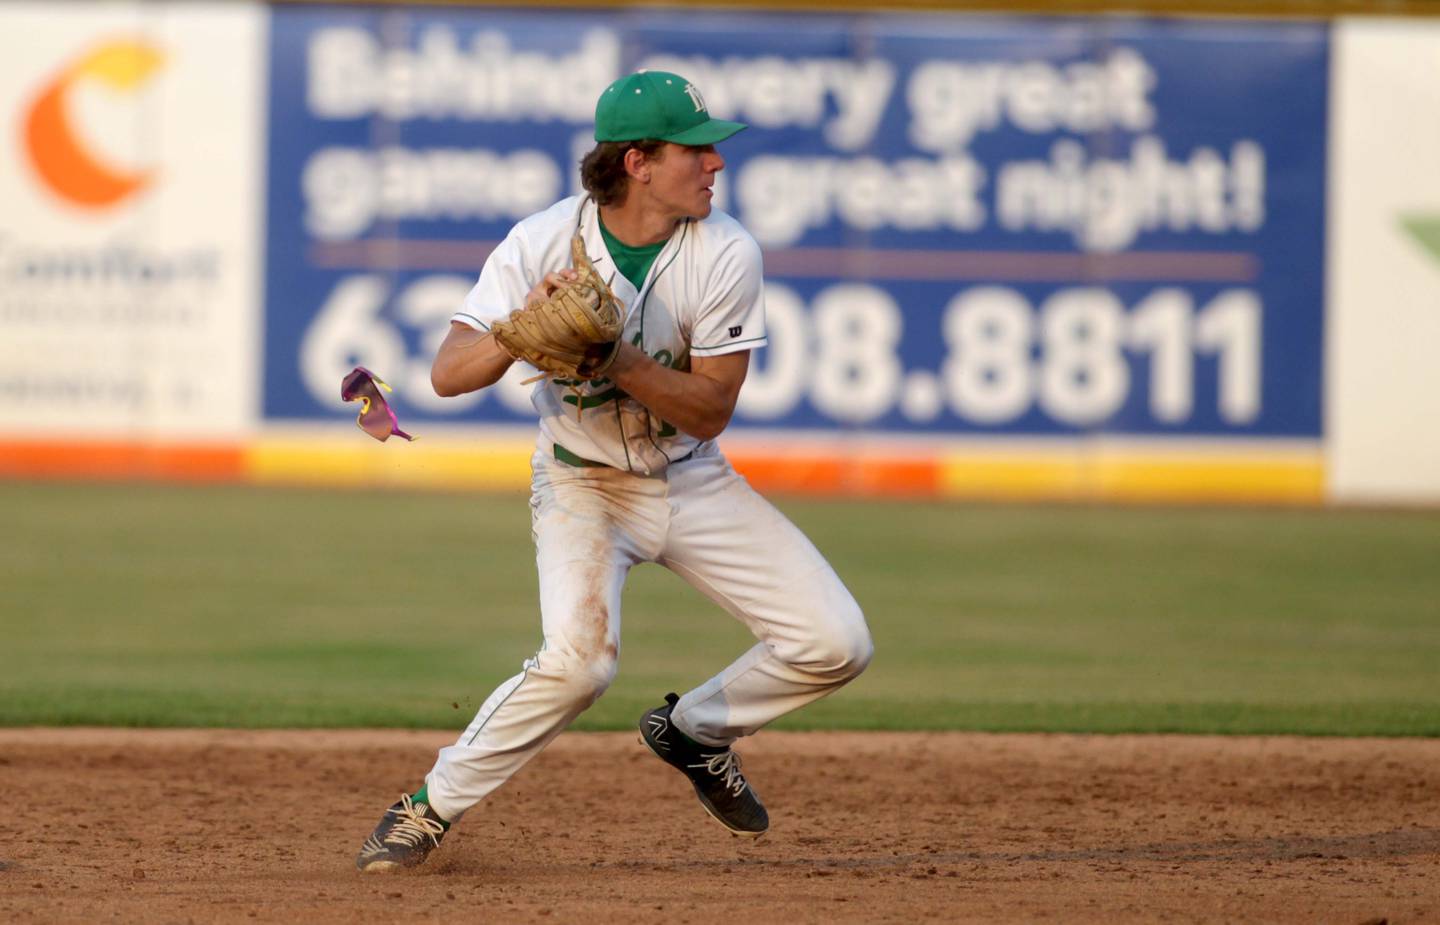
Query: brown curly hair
(602, 171)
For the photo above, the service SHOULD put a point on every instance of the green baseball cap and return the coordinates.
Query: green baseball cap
(659, 105)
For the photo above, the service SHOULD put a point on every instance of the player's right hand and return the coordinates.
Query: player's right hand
(547, 286)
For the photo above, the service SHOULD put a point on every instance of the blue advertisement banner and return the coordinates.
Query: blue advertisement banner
(971, 225)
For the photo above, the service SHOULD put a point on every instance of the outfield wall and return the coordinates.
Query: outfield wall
(1080, 258)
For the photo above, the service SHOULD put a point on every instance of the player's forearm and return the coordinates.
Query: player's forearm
(696, 404)
(467, 361)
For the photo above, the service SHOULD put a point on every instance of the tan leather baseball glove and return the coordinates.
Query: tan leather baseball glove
(574, 333)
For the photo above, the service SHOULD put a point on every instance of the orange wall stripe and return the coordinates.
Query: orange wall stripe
(826, 475)
(96, 459)
(1142, 475)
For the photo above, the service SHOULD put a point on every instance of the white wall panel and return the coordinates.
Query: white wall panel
(130, 173)
(1383, 337)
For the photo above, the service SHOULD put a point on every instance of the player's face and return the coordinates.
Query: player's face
(682, 180)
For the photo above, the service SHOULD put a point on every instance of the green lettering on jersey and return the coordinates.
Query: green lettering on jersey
(662, 356)
(594, 401)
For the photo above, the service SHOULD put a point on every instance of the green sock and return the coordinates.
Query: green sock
(423, 796)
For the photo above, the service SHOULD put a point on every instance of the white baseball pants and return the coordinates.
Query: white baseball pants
(702, 521)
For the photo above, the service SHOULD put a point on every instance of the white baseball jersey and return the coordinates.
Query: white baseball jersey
(703, 297)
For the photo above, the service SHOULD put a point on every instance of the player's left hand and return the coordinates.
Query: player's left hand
(570, 324)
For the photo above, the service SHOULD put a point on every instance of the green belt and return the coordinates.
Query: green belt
(570, 459)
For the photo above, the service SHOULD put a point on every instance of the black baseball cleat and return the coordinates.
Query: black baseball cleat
(714, 770)
(406, 835)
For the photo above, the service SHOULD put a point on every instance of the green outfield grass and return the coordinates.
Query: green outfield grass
(156, 605)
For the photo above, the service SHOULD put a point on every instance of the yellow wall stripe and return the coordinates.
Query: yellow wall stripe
(1080, 472)
(1241, 476)
(426, 463)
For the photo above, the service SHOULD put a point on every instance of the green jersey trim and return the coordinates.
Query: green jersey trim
(728, 343)
(483, 325)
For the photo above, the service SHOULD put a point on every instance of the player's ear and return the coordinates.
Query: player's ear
(637, 165)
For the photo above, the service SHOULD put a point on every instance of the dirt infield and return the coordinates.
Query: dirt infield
(177, 826)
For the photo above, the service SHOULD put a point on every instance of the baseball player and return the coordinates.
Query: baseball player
(626, 468)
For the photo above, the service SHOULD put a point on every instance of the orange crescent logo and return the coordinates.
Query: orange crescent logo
(58, 155)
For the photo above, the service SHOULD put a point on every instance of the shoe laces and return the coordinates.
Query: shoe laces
(413, 826)
(724, 765)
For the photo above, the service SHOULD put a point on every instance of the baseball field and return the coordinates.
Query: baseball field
(1074, 714)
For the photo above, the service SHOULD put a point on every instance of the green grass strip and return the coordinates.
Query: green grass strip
(232, 606)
